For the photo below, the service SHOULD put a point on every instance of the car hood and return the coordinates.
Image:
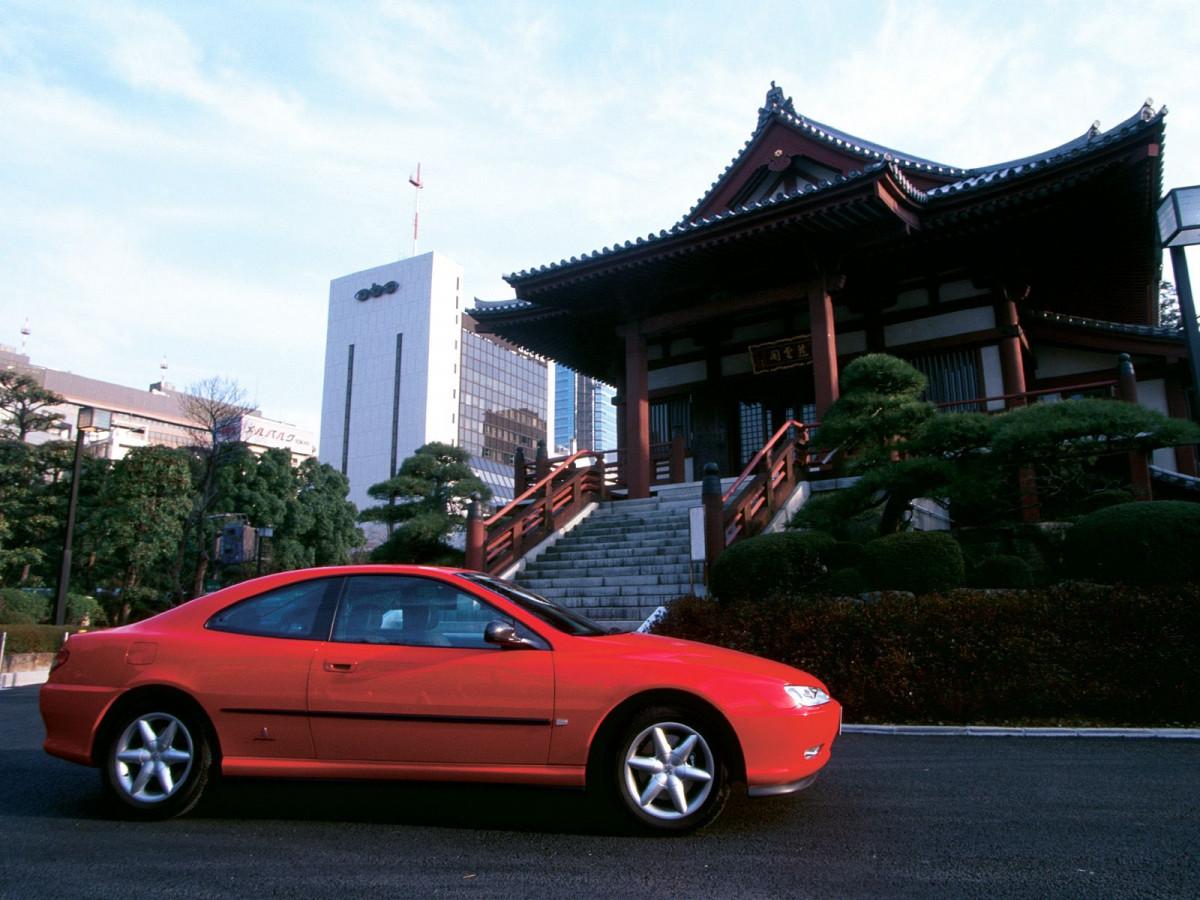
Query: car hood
(661, 648)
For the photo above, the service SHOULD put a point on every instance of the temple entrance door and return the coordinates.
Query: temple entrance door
(763, 411)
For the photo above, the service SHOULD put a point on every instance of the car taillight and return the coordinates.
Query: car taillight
(60, 658)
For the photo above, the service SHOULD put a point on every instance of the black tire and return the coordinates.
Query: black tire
(156, 759)
(668, 770)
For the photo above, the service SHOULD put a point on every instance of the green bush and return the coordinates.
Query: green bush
(918, 561)
(847, 582)
(1002, 572)
(35, 638)
(36, 605)
(1072, 655)
(16, 617)
(767, 564)
(1136, 543)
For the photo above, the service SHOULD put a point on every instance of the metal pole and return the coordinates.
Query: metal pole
(64, 572)
(3, 641)
(1191, 328)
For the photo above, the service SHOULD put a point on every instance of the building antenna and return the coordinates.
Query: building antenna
(417, 185)
(25, 337)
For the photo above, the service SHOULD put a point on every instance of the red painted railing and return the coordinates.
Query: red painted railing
(768, 480)
(496, 543)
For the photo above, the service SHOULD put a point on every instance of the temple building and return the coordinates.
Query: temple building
(1005, 284)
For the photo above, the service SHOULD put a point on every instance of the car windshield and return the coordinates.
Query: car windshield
(564, 620)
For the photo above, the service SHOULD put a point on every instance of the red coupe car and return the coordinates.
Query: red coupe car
(407, 672)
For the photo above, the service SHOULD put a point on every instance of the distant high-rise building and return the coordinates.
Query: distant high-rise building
(583, 412)
(404, 368)
(503, 407)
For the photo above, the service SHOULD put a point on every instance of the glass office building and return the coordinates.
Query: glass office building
(583, 412)
(503, 406)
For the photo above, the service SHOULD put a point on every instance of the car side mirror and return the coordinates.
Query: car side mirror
(504, 635)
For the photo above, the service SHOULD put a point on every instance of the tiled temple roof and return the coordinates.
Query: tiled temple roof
(1098, 325)
(878, 162)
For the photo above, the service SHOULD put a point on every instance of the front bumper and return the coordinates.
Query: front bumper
(774, 790)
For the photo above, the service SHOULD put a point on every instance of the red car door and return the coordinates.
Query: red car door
(408, 678)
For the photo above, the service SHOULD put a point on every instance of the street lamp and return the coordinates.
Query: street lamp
(1179, 226)
(89, 419)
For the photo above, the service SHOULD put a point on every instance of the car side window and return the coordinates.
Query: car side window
(297, 611)
(412, 611)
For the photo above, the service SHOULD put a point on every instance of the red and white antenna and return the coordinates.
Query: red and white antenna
(417, 185)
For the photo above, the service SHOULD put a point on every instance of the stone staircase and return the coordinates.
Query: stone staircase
(622, 562)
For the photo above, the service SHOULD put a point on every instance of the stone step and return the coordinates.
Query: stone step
(608, 594)
(610, 551)
(563, 568)
(612, 580)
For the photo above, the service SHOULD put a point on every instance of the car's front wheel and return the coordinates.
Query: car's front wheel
(670, 770)
(156, 760)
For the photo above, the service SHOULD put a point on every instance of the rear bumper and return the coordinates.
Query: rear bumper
(72, 714)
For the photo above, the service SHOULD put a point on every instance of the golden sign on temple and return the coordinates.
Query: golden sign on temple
(788, 353)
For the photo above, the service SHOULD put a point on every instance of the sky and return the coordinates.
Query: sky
(182, 180)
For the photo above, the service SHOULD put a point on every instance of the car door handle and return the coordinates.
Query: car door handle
(331, 666)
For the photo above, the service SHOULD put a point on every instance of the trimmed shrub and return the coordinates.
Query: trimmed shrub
(848, 582)
(1077, 655)
(1002, 572)
(1136, 543)
(35, 638)
(36, 606)
(768, 564)
(917, 561)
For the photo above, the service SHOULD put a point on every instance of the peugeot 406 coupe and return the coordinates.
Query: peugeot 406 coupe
(407, 672)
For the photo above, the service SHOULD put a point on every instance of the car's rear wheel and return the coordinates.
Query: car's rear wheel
(670, 770)
(156, 760)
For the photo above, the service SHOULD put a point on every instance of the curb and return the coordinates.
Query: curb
(22, 679)
(1003, 731)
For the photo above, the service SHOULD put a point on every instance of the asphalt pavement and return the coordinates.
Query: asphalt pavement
(892, 816)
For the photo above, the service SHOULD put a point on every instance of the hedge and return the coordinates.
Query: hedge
(761, 566)
(1073, 655)
(35, 638)
(918, 561)
(1136, 543)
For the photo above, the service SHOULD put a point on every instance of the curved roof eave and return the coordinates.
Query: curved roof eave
(881, 172)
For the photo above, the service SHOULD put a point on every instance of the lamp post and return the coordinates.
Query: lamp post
(89, 419)
(1178, 227)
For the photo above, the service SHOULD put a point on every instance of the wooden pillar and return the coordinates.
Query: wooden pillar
(1012, 366)
(520, 480)
(1012, 371)
(824, 344)
(1139, 465)
(476, 535)
(637, 414)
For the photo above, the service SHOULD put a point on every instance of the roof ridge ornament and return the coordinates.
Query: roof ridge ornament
(1147, 111)
(1094, 131)
(776, 102)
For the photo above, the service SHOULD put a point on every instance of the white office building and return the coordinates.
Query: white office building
(391, 367)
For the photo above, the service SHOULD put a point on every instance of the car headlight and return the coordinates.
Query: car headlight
(804, 695)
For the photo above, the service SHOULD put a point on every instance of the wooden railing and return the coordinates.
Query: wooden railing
(980, 404)
(768, 480)
(496, 543)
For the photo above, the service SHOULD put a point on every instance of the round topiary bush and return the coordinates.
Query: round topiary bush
(768, 564)
(1136, 543)
(1002, 572)
(917, 561)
